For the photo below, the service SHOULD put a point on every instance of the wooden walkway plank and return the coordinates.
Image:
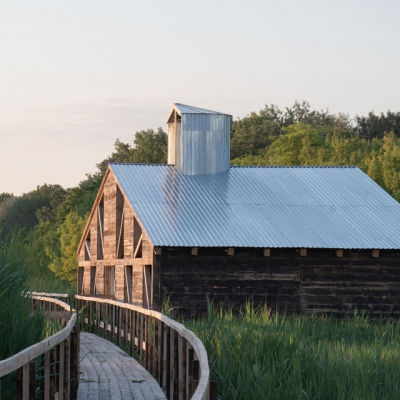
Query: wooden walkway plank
(108, 373)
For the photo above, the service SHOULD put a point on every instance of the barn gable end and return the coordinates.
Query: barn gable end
(114, 248)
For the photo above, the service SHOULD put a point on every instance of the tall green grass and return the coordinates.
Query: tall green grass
(257, 354)
(19, 326)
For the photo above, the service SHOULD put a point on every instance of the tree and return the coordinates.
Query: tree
(63, 262)
(376, 126)
(150, 147)
(31, 208)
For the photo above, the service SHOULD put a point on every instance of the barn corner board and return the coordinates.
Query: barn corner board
(296, 238)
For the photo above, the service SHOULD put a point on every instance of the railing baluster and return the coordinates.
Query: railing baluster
(53, 371)
(67, 370)
(132, 334)
(112, 322)
(119, 331)
(159, 349)
(165, 360)
(140, 336)
(181, 367)
(172, 364)
(47, 376)
(90, 316)
(189, 370)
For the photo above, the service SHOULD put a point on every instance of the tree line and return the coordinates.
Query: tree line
(45, 225)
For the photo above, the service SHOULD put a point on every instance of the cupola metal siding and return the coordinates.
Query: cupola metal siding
(201, 143)
(205, 144)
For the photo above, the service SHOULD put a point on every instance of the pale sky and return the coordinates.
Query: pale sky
(77, 75)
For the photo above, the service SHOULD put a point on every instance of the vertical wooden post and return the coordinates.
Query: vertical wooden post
(76, 360)
(61, 372)
(19, 383)
(47, 376)
(159, 348)
(165, 369)
(90, 317)
(213, 390)
(32, 380)
(67, 369)
(147, 341)
(196, 374)
(112, 323)
(126, 326)
(172, 364)
(53, 371)
(26, 381)
(181, 367)
(141, 334)
(72, 364)
(98, 317)
(189, 373)
(132, 333)
(105, 314)
(119, 322)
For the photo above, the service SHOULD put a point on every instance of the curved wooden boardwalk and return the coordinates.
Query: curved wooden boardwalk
(107, 372)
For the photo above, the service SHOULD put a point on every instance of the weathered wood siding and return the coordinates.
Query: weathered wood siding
(108, 192)
(285, 281)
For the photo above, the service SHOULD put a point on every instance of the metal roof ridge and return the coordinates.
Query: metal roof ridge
(149, 164)
(297, 166)
(196, 109)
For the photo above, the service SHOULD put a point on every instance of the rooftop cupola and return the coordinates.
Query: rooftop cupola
(198, 140)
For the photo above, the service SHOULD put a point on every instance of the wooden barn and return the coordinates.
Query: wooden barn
(297, 238)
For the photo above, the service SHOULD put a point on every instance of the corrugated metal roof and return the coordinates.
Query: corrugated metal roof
(185, 109)
(312, 207)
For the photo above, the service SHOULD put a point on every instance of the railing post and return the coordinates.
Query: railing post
(61, 371)
(53, 372)
(90, 317)
(74, 362)
(133, 332)
(189, 370)
(126, 325)
(140, 336)
(172, 364)
(47, 376)
(213, 390)
(181, 367)
(159, 338)
(147, 342)
(105, 321)
(119, 329)
(165, 360)
(196, 374)
(67, 369)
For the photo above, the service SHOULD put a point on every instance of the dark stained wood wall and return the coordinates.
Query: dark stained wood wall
(285, 281)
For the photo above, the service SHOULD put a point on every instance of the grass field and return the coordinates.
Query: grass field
(261, 355)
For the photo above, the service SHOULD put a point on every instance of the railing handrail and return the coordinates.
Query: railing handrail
(46, 294)
(24, 356)
(203, 384)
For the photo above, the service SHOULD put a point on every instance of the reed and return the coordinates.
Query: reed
(19, 326)
(258, 354)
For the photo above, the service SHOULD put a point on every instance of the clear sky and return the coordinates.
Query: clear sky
(77, 75)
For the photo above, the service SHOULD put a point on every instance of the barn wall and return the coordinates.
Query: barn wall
(285, 280)
(109, 190)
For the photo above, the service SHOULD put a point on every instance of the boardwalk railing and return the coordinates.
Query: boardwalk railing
(49, 368)
(174, 355)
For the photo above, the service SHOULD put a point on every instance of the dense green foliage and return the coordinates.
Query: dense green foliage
(46, 224)
(260, 355)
